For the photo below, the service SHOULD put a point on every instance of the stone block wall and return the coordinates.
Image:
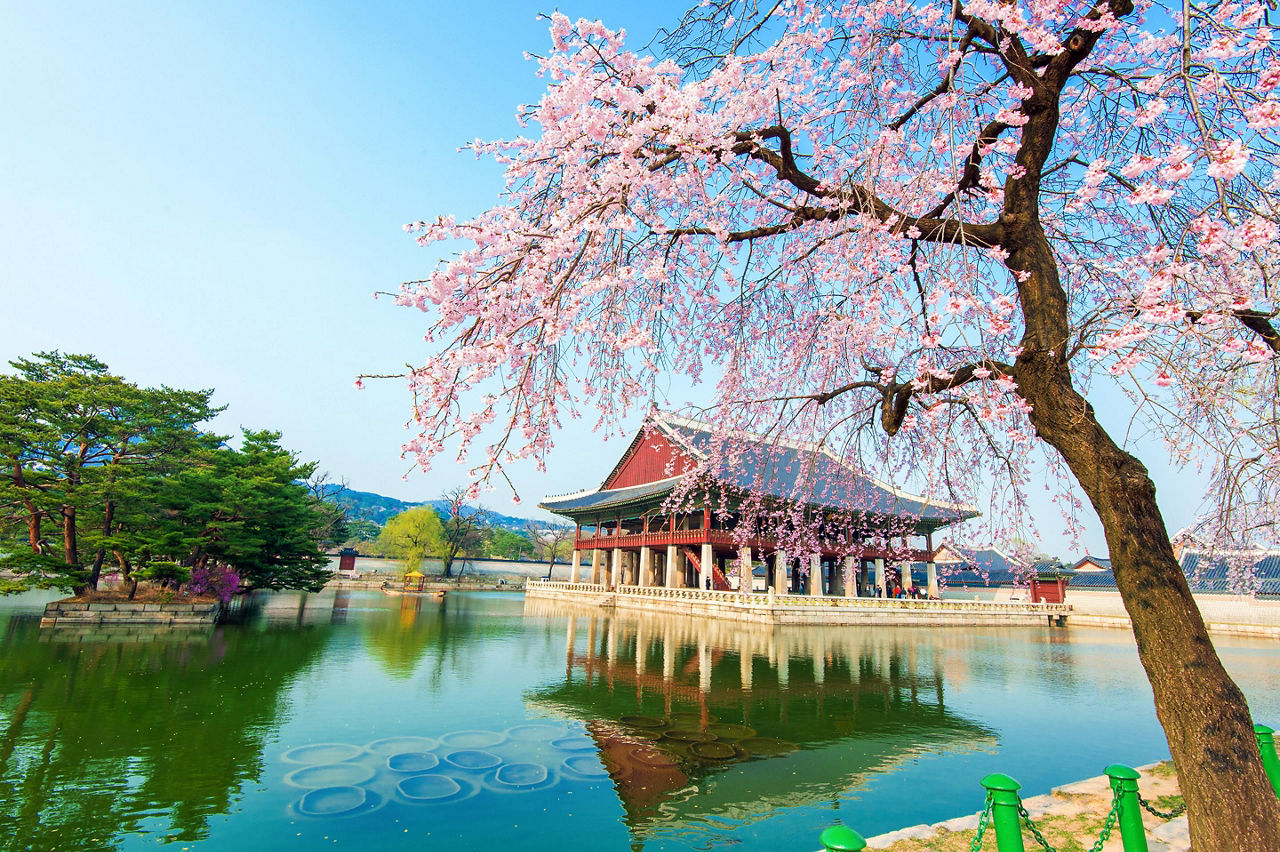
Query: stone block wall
(76, 613)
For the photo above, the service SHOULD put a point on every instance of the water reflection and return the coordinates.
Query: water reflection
(154, 731)
(695, 718)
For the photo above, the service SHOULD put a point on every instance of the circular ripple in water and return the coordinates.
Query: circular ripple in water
(336, 801)
(396, 745)
(322, 753)
(330, 775)
(577, 742)
(412, 761)
(435, 788)
(643, 722)
(473, 759)
(521, 778)
(537, 733)
(584, 766)
(682, 736)
(649, 756)
(472, 739)
(713, 751)
(766, 746)
(730, 731)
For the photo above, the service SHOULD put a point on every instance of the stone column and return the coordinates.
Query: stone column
(851, 578)
(705, 572)
(745, 578)
(815, 575)
(931, 577)
(646, 565)
(597, 557)
(904, 572)
(673, 566)
(780, 572)
(574, 565)
(880, 575)
(615, 572)
(836, 586)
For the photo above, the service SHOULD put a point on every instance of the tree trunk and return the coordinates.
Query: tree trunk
(101, 553)
(70, 554)
(1230, 803)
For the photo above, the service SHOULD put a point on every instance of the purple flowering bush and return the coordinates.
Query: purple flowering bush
(220, 580)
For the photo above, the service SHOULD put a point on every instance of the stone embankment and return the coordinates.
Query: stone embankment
(465, 585)
(1071, 817)
(78, 613)
(1230, 614)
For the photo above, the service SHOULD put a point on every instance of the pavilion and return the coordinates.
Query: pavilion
(625, 537)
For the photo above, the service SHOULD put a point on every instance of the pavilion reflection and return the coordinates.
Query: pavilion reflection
(707, 718)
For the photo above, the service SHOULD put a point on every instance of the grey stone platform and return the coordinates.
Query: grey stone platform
(76, 613)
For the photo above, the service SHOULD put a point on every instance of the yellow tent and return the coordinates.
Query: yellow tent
(415, 574)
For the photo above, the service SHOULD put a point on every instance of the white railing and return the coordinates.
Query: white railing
(759, 600)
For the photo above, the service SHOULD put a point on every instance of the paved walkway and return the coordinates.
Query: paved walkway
(1074, 811)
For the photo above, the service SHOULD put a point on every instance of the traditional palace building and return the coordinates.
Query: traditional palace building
(625, 538)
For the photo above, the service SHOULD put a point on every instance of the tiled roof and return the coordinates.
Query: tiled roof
(777, 470)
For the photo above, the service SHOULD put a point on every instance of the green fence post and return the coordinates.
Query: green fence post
(841, 838)
(1267, 747)
(1125, 780)
(1004, 811)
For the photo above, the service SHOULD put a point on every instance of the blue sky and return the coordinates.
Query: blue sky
(206, 195)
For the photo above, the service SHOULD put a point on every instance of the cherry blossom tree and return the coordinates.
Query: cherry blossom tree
(923, 235)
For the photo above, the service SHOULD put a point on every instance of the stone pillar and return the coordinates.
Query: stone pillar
(851, 578)
(904, 572)
(931, 577)
(705, 573)
(815, 575)
(574, 564)
(646, 565)
(780, 572)
(597, 557)
(673, 568)
(880, 577)
(615, 574)
(836, 586)
(745, 578)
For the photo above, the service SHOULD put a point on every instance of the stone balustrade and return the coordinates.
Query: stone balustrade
(801, 609)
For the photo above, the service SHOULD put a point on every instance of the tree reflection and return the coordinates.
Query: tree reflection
(104, 738)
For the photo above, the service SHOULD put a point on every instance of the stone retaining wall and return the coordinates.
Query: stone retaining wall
(77, 613)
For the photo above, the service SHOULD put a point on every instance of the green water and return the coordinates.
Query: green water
(360, 721)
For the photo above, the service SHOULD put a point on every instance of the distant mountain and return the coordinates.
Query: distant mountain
(367, 506)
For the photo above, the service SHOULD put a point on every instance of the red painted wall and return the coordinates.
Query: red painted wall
(652, 459)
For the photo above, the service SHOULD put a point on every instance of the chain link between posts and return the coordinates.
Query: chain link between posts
(1107, 826)
(1176, 812)
(976, 845)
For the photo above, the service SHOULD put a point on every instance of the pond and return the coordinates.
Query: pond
(355, 720)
